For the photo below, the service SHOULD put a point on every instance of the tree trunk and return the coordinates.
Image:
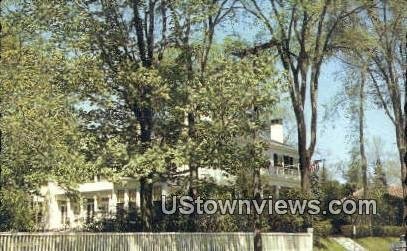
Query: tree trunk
(256, 187)
(404, 182)
(144, 116)
(1, 154)
(362, 135)
(367, 219)
(305, 159)
(146, 203)
(257, 219)
(400, 135)
(193, 167)
(305, 162)
(193, 173)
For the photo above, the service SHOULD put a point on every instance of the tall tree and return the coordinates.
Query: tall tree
(363, 159)
(351, 99)
(243, 94)
(135, 85)
(387, 28)
(379, 38)
(205, 17)
(120, 86)
(304, 34)
(38, 124)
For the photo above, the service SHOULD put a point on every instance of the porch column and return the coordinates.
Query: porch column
(82, 213)
(126, 199)
(69, 212)
(95, 203)
(138, 201)
(113, 202)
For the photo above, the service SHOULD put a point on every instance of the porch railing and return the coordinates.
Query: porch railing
(288, 171)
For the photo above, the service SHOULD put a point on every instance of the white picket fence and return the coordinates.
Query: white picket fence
(152, 241)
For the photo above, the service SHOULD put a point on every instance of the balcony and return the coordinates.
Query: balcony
(282, 175)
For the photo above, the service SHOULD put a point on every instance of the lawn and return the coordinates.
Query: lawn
(328, 244)
(377, 243)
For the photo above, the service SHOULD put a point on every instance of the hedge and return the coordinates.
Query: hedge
(322, 228)
(364, 231)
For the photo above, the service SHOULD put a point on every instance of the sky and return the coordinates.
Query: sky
(332, 142)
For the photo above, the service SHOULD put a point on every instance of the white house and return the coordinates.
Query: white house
(102, 198)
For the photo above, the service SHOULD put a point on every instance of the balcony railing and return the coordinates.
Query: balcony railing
(287, 171)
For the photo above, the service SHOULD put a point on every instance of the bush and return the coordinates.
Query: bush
(15, 211)
(361, 231)
(122, 221)
(322, 229)
(388, 231)
(364, 231)
(284, 223)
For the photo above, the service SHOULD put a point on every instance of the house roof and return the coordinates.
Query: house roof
(396, 191)
(285, 147)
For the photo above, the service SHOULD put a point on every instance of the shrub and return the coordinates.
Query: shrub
(364, 231)
(15, 211)
(390, 231)
(285, 223)
(122, 221)
(361, 231)
(322, 228)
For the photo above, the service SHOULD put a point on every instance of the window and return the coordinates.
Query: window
(286, 160)
(90, 210)
(100, 177)
(38, 209)
(120, 212)
(76, 208)
(104, 205)
(132, 195)
(275, 159)
(63, 210)
(120, 196)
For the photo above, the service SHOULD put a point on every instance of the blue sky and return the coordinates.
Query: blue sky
(332, 142)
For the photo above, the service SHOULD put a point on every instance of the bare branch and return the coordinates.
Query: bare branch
(379, 93)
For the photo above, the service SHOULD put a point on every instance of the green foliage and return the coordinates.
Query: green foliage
(40, 140)
(15, 211)
(332, 190)
(322, 229)
(380, 230)
(361, 231)
(291, 222)
(328, 244)
(38, 124)
(226, 101)
(73, 83)
(377, 243)
(122, 222)
(206, 223)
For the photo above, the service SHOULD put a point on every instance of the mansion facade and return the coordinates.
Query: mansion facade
(101, 198)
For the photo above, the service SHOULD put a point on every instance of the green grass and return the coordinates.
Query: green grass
(328, 244)
(377, 243)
